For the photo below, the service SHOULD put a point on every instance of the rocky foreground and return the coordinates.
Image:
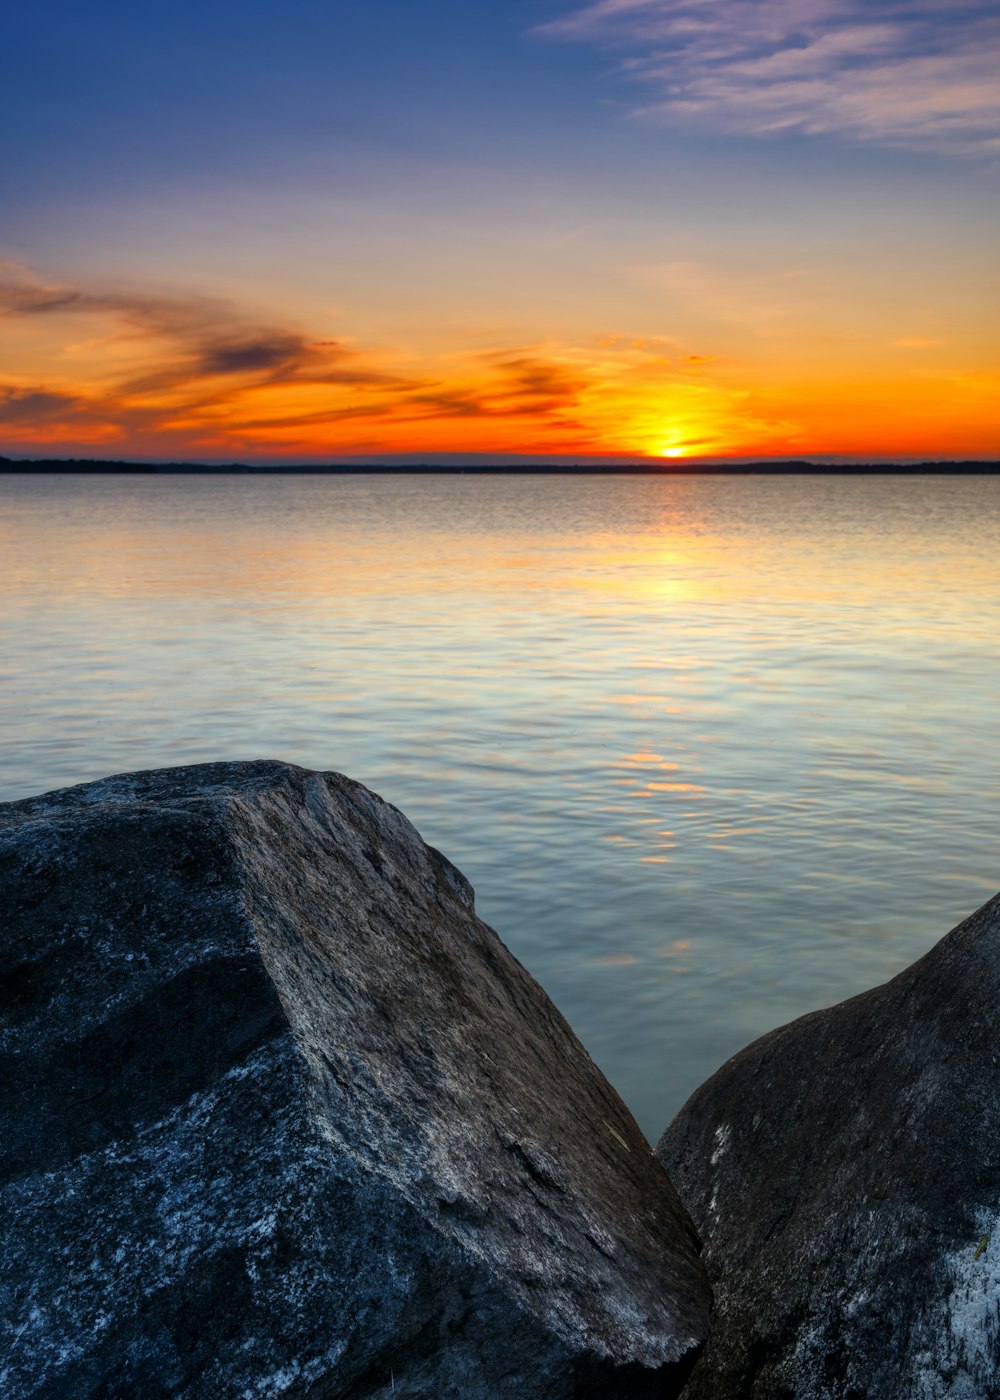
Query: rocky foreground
(281, 1116)
(844, 1172)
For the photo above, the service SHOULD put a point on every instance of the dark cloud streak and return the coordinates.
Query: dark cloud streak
(200, 362)
(39, 406)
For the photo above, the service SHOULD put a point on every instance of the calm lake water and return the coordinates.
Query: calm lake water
(714, 752)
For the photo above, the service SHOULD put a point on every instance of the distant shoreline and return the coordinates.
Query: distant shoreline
(86, 467)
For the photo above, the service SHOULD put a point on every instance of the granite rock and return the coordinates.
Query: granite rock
(845, 1174)
(281, 1116)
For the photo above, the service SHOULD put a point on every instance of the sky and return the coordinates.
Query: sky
(332, 231)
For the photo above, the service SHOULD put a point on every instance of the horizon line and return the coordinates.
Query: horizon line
(484, 465)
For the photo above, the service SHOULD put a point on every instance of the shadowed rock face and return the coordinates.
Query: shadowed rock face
(845, 1172)
(281, 1115)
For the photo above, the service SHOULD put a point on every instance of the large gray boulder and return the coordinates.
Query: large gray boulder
(845, 1174)
(281, 1116)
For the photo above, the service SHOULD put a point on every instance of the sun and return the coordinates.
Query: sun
(671, 452)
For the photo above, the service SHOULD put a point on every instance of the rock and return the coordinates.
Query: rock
(845, 1174)
(281, 1116)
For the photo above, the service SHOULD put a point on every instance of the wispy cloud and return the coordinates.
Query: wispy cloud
(37, 405)
(187, 338)
(176, 367)
(920, 74)
(179, 372)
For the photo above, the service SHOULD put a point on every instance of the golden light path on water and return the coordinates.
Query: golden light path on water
(712, 751)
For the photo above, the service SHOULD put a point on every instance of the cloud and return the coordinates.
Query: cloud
(921, 74)
(172, 367)
(190, 338)
(170, 372)
(530, 384)
(505, 385)
(276, 352)
(37, 405)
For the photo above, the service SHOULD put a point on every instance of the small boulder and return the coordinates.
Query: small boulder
(844, 1172)
(281, 1116)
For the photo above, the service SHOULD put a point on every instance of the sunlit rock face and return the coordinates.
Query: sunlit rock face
(844, 1172)
(282, 1116)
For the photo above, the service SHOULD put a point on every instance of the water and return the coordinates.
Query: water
(713, 751)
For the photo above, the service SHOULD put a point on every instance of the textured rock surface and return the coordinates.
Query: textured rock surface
(845, 1172)
(282, 1116)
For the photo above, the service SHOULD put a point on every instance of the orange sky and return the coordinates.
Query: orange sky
(169, 374)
